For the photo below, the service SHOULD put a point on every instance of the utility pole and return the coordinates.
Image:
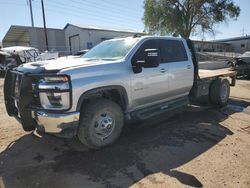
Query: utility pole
(31, 14)
(44, 26)
(243, 31)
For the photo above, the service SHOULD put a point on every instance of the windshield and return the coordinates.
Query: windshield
(111, 50)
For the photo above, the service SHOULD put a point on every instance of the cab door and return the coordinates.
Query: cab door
(151, 85)
(180, 67)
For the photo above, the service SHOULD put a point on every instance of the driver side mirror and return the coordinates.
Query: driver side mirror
(151, 59)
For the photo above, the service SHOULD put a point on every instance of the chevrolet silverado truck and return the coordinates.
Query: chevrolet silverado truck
(120, 79)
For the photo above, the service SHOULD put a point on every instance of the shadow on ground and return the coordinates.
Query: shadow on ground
(159, 145)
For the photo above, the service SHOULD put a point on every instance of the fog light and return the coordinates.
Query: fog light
(55, 99)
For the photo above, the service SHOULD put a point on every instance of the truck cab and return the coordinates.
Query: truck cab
(172, 78)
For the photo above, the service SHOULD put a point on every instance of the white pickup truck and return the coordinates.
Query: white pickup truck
(125, 78)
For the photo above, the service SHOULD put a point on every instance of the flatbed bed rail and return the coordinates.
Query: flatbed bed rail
(225, 72)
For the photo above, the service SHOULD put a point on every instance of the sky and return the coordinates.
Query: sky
(121, 14)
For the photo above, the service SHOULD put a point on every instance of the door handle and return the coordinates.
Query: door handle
(189, 66)
(162, 70)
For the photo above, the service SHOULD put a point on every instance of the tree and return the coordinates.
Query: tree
(184, 17)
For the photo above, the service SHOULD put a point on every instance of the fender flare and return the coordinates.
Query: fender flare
(122, 91)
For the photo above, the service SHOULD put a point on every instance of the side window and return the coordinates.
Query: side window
(140, 53)
(172, 51)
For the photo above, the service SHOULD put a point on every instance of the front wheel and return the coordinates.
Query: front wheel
(101, 123)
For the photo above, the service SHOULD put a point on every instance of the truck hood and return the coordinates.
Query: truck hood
(63, 63)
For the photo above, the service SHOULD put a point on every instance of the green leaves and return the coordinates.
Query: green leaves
(183, 17)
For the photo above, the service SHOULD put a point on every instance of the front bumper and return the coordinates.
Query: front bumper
(22, 102)
(56, 123)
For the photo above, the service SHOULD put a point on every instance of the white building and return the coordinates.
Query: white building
(80, 37)
(239, 44)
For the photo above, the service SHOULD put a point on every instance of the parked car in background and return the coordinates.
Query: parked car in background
(242, 64)
(8, 60)
(3, 60)
(48, 55)
(245, 57)
(76, 55)
(17, 55)
(81, 52)
(26, 54)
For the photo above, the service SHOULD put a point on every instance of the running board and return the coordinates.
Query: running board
(158, 109)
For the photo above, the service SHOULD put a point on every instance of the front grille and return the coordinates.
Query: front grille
(18, 97)
(30, 83)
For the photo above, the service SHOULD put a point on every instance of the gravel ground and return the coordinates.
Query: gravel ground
(198, 146)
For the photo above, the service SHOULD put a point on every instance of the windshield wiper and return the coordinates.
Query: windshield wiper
(104, 59)
(110, 59)
(92, 59)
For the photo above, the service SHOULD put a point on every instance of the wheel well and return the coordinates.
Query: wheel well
(116, 94)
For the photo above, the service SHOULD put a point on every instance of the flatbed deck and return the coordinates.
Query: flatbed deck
(225, 72)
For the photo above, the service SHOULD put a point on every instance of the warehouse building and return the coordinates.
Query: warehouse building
(65, 41)
(73, 38)
(239, 44)
(80, 37)
(212, 46)
(35, 37)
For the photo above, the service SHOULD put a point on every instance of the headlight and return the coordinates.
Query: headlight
(54, 93)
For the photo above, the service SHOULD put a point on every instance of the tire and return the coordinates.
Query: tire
(101, 123)
(219, 92)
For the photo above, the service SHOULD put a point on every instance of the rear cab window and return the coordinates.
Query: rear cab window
(172, 51)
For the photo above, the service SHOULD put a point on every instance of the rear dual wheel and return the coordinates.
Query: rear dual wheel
(219, 92)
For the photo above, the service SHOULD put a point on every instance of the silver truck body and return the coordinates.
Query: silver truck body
(126, 78)
(150, 87)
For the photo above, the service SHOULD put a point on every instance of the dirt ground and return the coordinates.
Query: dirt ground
(198, 146)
